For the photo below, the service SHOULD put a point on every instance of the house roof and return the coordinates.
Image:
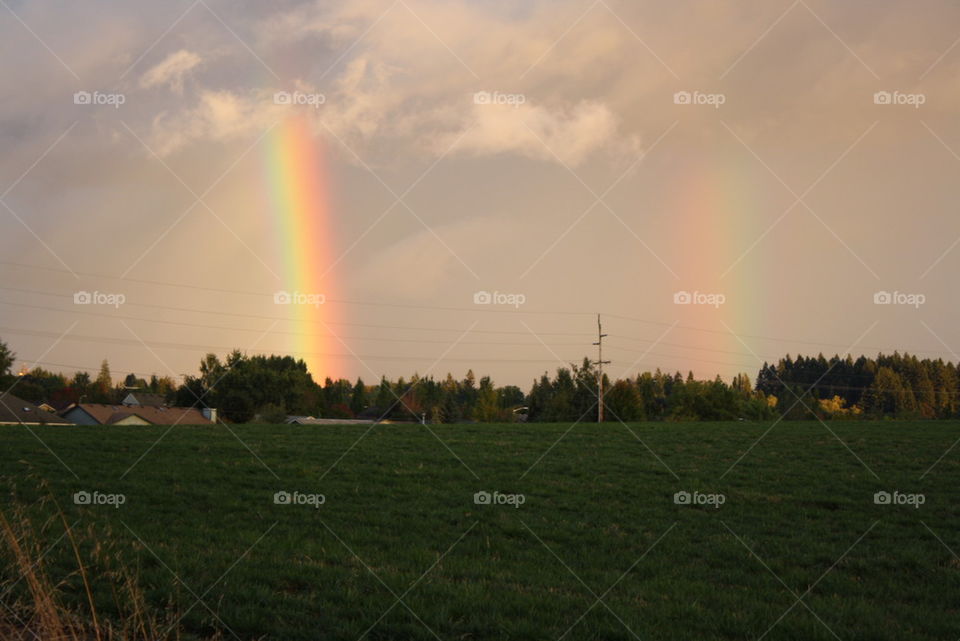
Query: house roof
(310, 420)
(147, 399)
(14, 409)
(116, 417)
(110, 414)
(60, 405)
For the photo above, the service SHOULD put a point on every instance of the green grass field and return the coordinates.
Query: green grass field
(597, 550)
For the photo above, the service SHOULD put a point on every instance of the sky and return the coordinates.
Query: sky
(420, 186)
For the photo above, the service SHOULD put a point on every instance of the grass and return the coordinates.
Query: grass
(598, 549)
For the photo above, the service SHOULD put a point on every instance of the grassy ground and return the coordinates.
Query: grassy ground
(597, 550)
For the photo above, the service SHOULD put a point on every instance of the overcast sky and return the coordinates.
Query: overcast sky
(582, 157)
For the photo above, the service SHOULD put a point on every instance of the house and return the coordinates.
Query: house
(16, 411)
(101, 414)
(310, 420)
(143, 399)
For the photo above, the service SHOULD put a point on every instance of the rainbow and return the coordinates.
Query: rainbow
(718, 208)
(299, 197)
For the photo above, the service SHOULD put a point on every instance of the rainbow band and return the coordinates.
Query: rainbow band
(299, 204)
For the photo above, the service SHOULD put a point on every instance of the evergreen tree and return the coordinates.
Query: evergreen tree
(7, 359)
(102, 389)
(886, 396)
(385, 398)
(622, 401)
(358, 398)
(561, 406)
(540, 397)
(488, 403)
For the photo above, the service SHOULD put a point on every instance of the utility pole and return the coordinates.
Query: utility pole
(600, 363)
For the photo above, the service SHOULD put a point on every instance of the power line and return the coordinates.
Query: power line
(134, 280)
(488, 309)
(209, 348)
(724, 332)
(85, 312)
(378, 326)
(393, 340)
(752, 357)
(83, 368)
(258, 331)
(686, 359)
(402, 340)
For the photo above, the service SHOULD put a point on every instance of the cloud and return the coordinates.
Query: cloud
(366, 103)
(404, 84)
(171, 71)
(565, 134)
(218, 116)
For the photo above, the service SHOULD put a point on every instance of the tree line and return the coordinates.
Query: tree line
(268, 388)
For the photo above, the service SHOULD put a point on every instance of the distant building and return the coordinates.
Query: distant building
(16, 411)
(143, 399)
(310, 420)
(100, 414)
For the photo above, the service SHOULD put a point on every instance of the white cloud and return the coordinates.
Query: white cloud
(403, 84)
(565, 134)
(218, 116)
(171, 71)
